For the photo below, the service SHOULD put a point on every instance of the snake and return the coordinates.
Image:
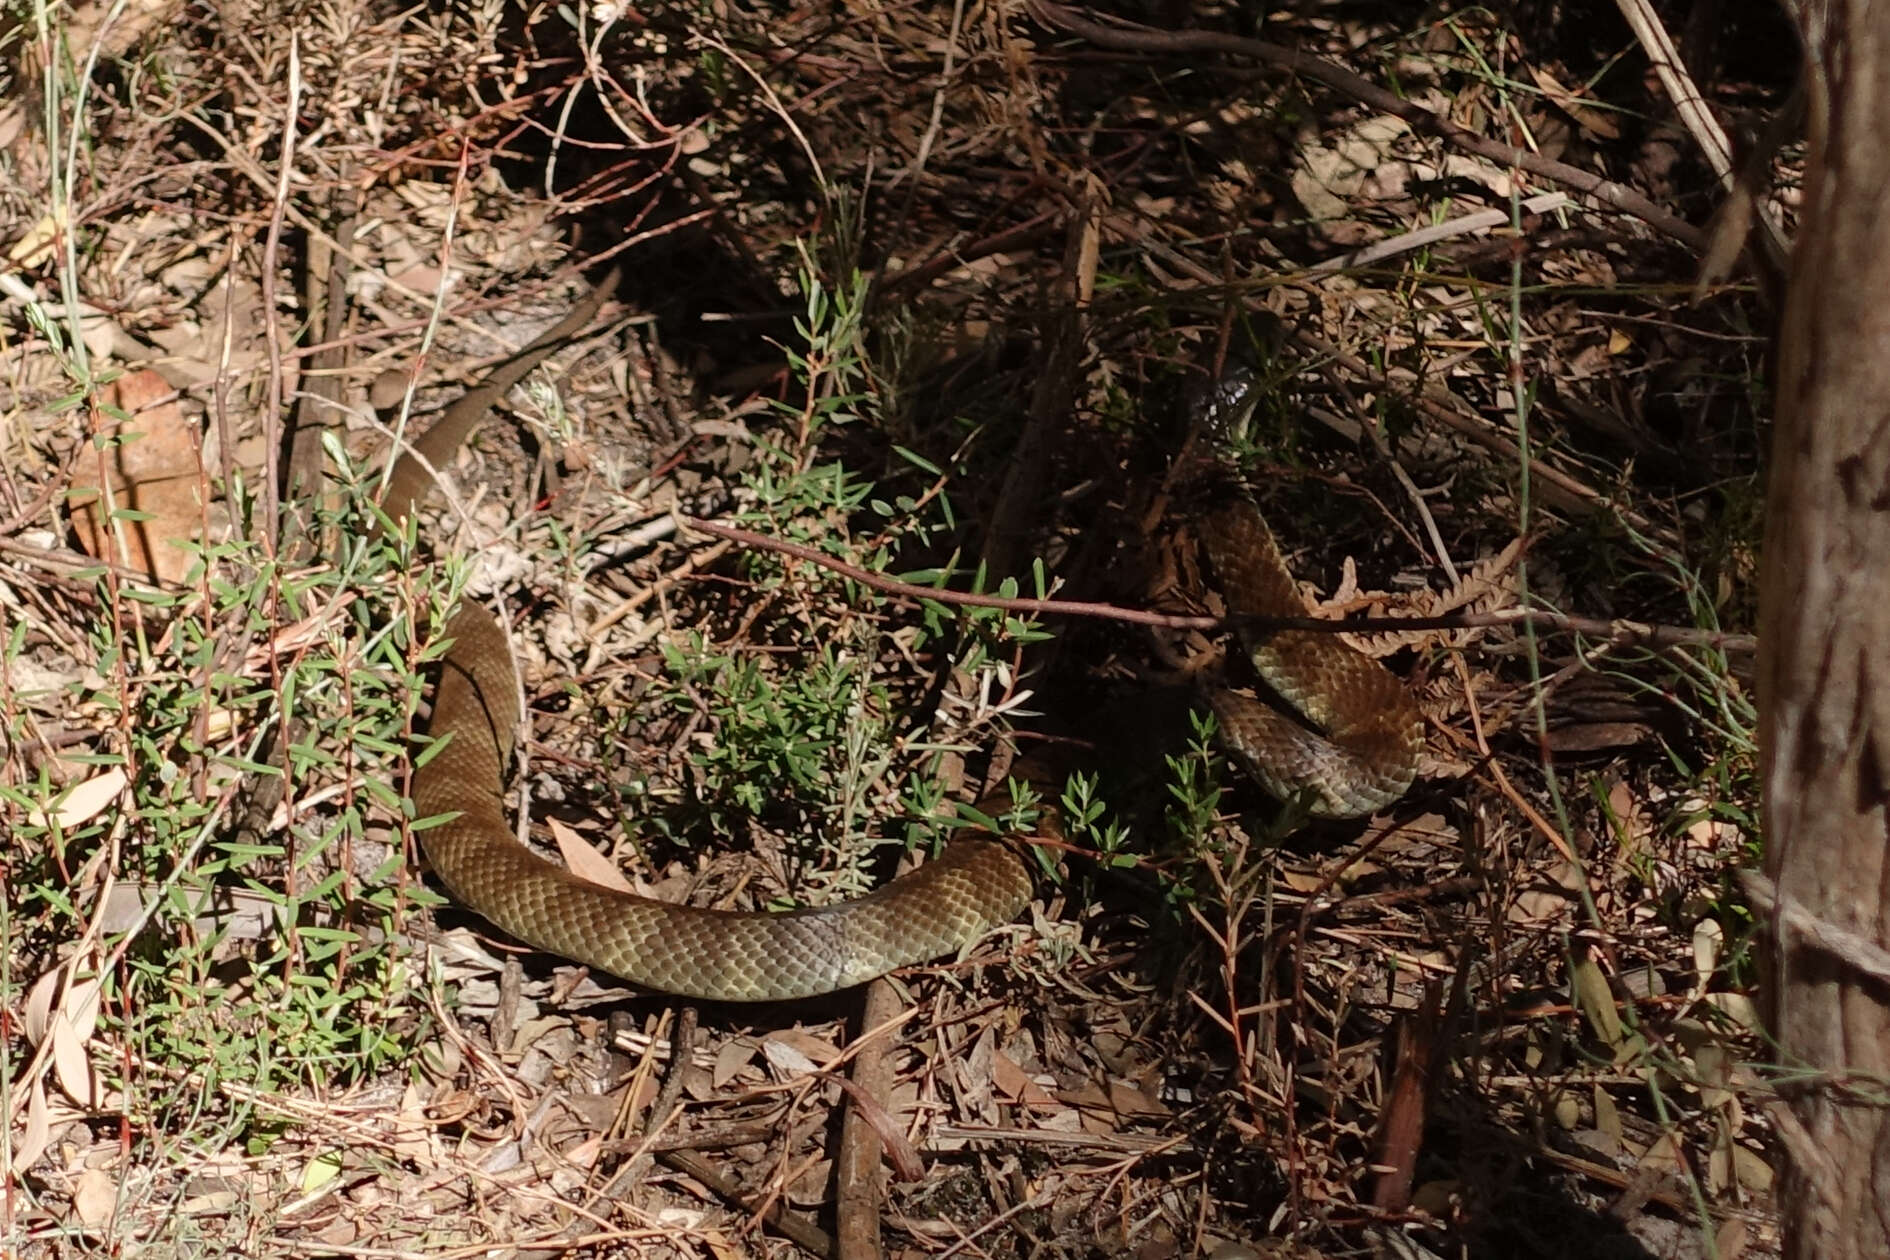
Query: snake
(1352, 748)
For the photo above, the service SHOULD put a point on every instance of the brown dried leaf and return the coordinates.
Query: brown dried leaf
(732, 1059)
(95, 1198)
(38, 1131)
(413, 1136)
(1594, 121)
(156, 471)
(793, 1053)
(1608, 1117)
(1014, 1083)
(586, 862)
(39, 1005)
(71, 1030)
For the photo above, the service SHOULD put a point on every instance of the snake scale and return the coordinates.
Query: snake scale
(1365, 758)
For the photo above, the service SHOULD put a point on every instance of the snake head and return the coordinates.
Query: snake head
(1222, 409)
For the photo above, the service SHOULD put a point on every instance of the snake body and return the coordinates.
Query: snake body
(938, 909)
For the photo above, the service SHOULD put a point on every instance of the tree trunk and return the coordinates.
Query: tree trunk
(1824, 670)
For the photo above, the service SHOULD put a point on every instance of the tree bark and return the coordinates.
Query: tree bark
(1824, 675)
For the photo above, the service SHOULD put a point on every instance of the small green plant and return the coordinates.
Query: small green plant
(808, 733)
(1194, 787)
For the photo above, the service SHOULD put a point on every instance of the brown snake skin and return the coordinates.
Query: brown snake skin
(1367, 758)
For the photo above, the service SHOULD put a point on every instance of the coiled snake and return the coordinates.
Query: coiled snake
(1365, 758)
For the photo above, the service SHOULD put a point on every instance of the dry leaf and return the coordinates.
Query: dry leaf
(95, 1198)
(38, 1127)
(413, 1136)
(810, 1188)
(1595, 999)
(719, 1244)
(1437, 1198)
(1739, 1008)
(1729, 1165)
(115, 30)
(82, 802)
(155, 470)
(1633, 826)
(73, 1065)
(584, 1154)
(1665, 1153)
(733, 1058)
(1608, 1117)
(320, 1171)
(39, 1005)
(1014, 1083)
(1302, 881)
(586, 862)
(1128, 1100)
(793, 1053)
(1708, 938)
(36, 245)
(1328, 178)
(1587, 117)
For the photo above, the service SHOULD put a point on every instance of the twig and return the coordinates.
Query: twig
(318, 403)
(1065, 334)
(944, 1135)
(1489, 761)
(665, 1107)
(936, 123)
(957, 599)
(278, 192)
(1420, 238)
(1644, 634)
(1560, 490)
(774, 101)
(859, 1196)
(796, 1228)
(1699, 121)
(1025, 234)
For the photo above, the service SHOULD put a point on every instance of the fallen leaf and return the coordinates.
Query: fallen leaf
(82, 802)
(1595, 999)
(95, 1198)
(413, 1136)
(1708, 938)
(1590, 119)
(1328, 178)
(38, 1127)
(733, 1058)
(1664, 1154)
(73, 1065)
(791, 1053)
(36, 245)
(1014, 1083)
(153, 468)
(320, 1171)
(585, 861)
(39, 1005)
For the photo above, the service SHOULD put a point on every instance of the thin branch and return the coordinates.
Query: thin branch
(1698, 119)
(957, 599)
(1624, 632)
